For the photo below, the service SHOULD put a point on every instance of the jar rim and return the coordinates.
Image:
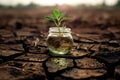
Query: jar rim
(56, 30)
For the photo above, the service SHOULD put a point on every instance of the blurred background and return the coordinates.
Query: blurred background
(38, 3)
(95, 13)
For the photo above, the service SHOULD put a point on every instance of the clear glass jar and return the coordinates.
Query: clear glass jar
(59, 41)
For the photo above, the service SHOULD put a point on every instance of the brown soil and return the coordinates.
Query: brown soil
(95, 54)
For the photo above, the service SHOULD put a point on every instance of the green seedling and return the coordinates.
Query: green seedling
(58, 19)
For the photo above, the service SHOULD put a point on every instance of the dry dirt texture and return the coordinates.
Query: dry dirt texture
(94, 56)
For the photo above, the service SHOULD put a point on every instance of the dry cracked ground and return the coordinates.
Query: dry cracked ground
(94, 56)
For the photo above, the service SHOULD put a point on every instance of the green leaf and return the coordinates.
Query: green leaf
(49, 18)
(56, 13)
(60, 16)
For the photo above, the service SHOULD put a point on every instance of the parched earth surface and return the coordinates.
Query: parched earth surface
(94, 56)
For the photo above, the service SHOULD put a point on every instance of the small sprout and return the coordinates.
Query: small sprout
(58, 18)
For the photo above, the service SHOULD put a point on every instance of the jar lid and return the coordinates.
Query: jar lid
(62, 29)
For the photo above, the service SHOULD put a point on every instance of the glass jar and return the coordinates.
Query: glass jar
(59, 41)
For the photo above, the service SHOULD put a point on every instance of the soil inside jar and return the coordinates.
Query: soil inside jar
(59, 45)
